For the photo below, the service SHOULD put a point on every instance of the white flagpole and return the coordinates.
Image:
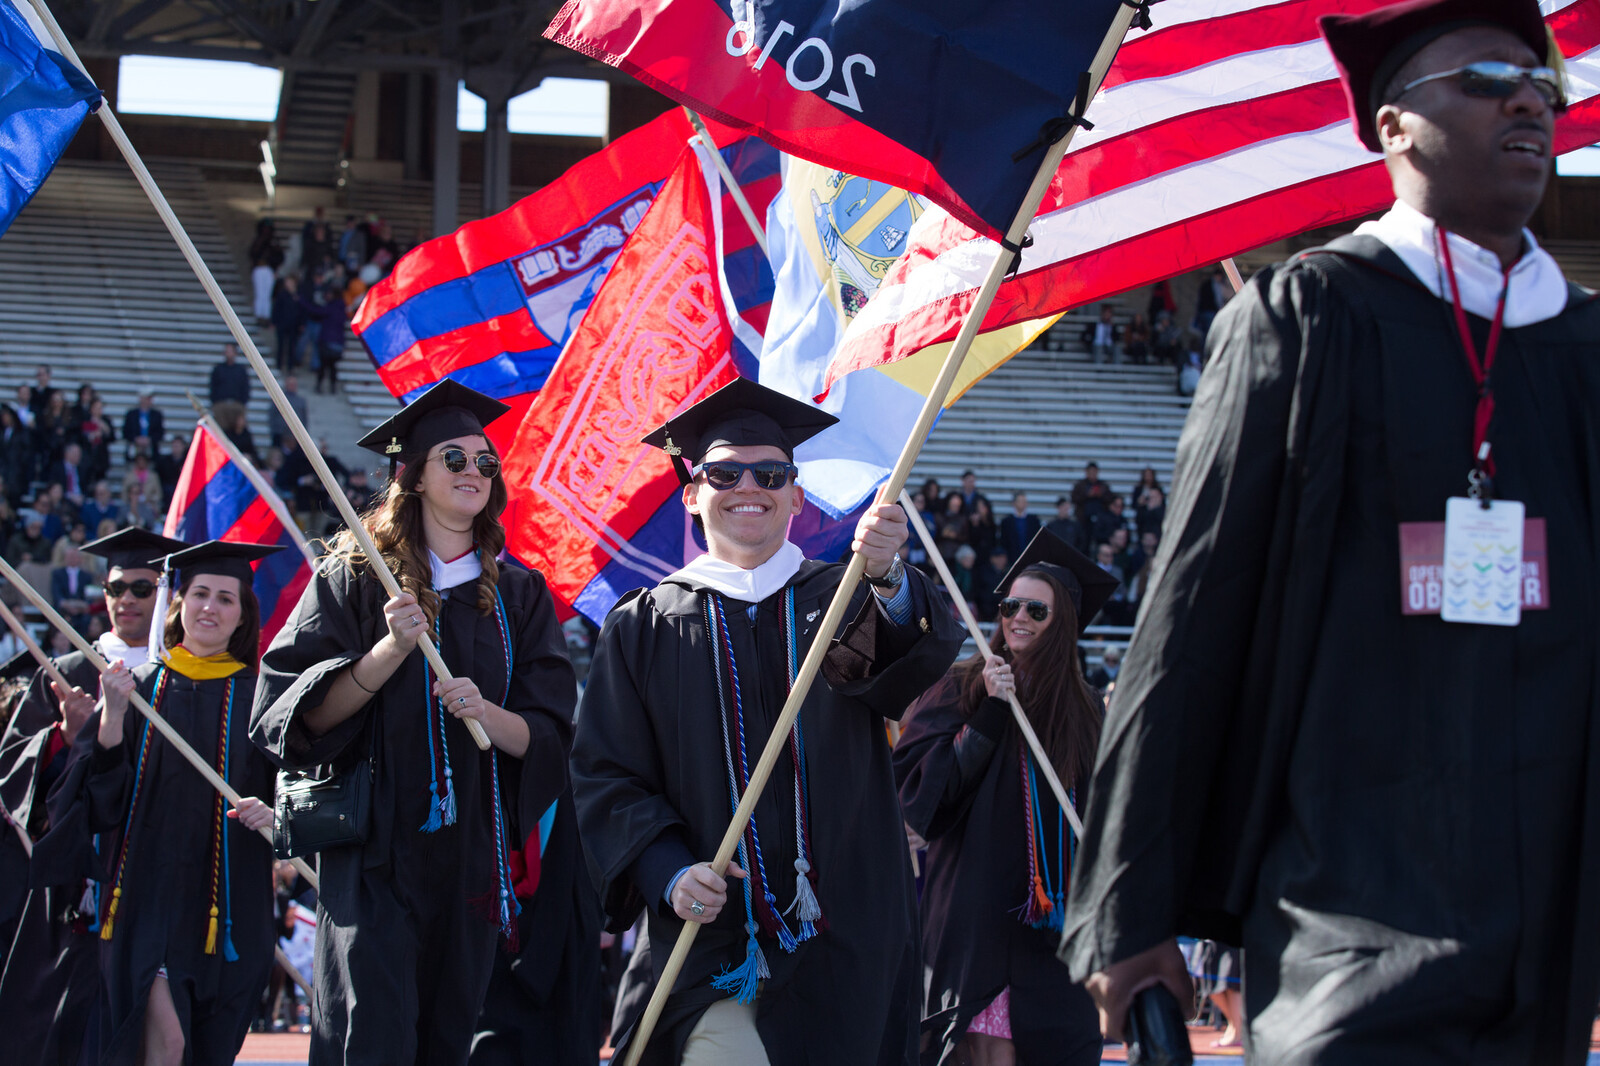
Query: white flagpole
(749, 214)
(257, 481)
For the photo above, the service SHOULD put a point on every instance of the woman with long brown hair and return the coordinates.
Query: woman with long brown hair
(999, 846)
(184, 904)
(408, 918)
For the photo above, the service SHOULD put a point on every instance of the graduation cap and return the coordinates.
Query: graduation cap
(19, 666)
(448, 409)
(740, 414)
(1088, 585)
(1370, 49)
(224, 558)
(134, 549)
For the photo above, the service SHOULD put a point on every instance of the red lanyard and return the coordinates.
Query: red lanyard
(1482, 460)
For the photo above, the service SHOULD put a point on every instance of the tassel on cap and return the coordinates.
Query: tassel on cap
(157, 644)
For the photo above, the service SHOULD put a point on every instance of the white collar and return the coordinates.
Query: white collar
(1538, 290)
(112, 648)
(456, 571)
(735, 582)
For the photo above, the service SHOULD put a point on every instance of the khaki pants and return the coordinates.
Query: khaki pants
(725, 1035)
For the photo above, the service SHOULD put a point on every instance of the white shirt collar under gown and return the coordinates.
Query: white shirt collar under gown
(112, 648)
(1538, 289)
(456, 571)
(735, 582)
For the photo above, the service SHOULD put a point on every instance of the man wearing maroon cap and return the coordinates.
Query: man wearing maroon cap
(1328, 744)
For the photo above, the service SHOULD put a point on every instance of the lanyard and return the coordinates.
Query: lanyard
(1482, 473)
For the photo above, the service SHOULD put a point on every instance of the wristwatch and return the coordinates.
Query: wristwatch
(891, 578)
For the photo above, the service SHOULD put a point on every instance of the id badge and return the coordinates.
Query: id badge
(1482, 561)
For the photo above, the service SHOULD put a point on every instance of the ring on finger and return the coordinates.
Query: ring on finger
(461, 700)
(696, 907)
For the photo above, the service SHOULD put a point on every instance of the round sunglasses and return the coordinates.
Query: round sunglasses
(455, 461)
(142, 589)
(1038, 610)
(768, 474)
(1497, 81)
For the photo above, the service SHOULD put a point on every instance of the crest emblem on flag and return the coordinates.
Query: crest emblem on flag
(859, 230)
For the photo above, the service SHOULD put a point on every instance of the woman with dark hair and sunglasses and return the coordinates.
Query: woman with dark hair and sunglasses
(184, 908)
(408, 920)
(999, 847)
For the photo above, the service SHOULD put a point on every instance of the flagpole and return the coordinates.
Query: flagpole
(162, 726)
(247, 345)
(21, 632)
(745, 209)
(856, 568)
(1236, 279)
(268, 494)
(1026, 726)
(289, 968)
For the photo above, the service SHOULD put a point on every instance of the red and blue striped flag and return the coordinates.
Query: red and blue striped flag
(213, 500)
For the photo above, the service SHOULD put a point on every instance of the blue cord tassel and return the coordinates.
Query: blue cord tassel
(744, 980)
(434, 806)
(228, 951)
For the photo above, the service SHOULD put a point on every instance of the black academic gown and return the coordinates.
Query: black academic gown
(653, 796)
(1397, 817)
(961, 787)
(407, 923)
(50, 980)
(162, 916)
(543, 1006)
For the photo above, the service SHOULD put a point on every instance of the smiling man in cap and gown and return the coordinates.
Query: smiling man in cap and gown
(809, 955)
(1397, 815)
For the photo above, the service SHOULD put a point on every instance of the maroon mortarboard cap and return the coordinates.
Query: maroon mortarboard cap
(1370, 49)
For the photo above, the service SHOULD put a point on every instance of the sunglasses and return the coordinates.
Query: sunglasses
(768, 474)
(1497, 81)
(1038, 610)
(141, 589)
(455, 461)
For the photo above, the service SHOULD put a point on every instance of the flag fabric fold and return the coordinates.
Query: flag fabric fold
(947, 98)
(44, 98)
(1220, 129)
(213, 500)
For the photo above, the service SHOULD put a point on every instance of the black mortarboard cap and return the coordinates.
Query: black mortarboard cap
(448, 409)
(223, 557)
(19, 666)
(134, 549)
(740, 414)
(1088, 585)
(1369, 49)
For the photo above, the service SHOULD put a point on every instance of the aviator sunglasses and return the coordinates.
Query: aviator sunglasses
(1038, 610)
(141, 588)
(768, 474)
(1497, 81)
(455, 461)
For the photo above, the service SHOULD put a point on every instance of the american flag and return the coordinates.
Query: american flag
(1220, 129)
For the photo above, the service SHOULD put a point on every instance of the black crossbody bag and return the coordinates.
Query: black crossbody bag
(324, 808)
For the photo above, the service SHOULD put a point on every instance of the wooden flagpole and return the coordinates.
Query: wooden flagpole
(289, 968)
(268, 494)
(756, 228)
(1236, 279)
(854, 570)
(21, 632)
(1026, 726)
(172, 736)
(248, 346)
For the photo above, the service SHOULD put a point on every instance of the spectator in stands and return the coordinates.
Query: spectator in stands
(1103, 676)
(76, 536)
(230, 379)
(96, 432)
(296, 481)
(951, 531)
(140, 486)
(265, 259)
(1139, 579)
(969, 491)
(1125, 553)
(324, 312)
(1018, 528)
(353, 244)
(286, 322)
(1166, 339)
(56, 513)
(1102, 338)
(1161, 300)
(277, 428)
(1066, 525)
(100, 506)
(29, 543)
(68, 472)
(1089, 494)
(961, 571)
(43, 391)
(9, 523)
(1136, 339)
(78, 410)
(1116, 610)
(357, 490)
(1189, 372)
(987, 576)
(22, 405)
(169, 464)
(982, 530)
(52, 430)
(144, 426)
(1214, 292)
(932, 496)
(234, 421)
(69, 589)
(1147, 481)
(16, 453)
(1149, 517)
(1108, 521)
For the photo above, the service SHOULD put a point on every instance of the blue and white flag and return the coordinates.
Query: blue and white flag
(43, 100)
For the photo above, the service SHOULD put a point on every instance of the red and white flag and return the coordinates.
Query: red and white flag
(1221, 129)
